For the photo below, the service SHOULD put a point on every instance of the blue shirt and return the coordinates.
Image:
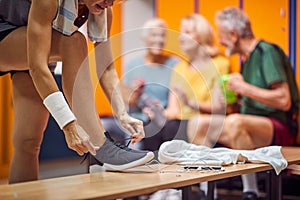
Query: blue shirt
(156, 76)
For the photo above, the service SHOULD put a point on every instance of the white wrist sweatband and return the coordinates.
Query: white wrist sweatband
(59, 109)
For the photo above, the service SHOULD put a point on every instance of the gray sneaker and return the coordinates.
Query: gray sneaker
(116, 157)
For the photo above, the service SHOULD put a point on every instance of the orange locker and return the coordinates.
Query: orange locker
(269, 20)
(172, 11)
(6, 121)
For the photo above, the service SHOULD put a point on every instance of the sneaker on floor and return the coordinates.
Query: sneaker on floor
(116, 157)
(249, 196)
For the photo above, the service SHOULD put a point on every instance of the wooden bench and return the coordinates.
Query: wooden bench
(113, 185)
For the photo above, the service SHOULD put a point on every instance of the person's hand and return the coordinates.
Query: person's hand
(236, 83)
(295, 169)
(134, 126)
(136, 88)
(78, 140)
(148, 111)
(137, 83)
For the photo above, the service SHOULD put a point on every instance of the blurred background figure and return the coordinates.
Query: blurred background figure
(145, 83)
(194, 82)
(267, 90)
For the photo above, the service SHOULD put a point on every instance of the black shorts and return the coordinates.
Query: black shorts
(5, 33)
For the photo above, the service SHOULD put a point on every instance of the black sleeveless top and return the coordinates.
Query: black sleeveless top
(13, 13)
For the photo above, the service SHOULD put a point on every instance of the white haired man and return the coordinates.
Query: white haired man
(267, 91)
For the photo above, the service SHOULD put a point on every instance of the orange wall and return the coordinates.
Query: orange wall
(270, 20)
(6, 121)
(172, 11)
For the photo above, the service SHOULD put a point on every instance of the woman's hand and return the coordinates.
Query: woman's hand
(149, 111)
(78, 140)
(134, 126)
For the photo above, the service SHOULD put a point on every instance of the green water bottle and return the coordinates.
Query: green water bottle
(229, 95)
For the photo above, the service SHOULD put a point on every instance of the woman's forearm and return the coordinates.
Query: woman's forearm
(110, 83)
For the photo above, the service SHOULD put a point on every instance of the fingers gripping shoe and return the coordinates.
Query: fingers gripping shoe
(116, 157)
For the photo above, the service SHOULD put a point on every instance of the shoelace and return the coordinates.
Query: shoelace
(116, 143)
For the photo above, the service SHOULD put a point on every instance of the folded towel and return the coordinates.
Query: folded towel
(68, 12)
(181, 152)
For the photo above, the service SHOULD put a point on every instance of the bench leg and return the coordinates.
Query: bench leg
(210, 190)
(274, 186)
(186, 192)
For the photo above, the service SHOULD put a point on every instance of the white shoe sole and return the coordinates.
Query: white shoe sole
(107, 167)
(96, 168)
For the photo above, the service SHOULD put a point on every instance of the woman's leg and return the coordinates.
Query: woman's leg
(205, 129)
(30, 121)
(77, 83)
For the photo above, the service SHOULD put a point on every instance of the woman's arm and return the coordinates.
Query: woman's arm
(111, 85)
(173, 109)
(39, 35)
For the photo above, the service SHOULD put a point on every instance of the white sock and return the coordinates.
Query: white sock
(204, 188)
(250, 183)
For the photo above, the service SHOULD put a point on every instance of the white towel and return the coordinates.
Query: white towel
(66, 15)
(181, 152)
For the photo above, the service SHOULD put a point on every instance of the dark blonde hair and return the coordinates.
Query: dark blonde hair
(205, 34)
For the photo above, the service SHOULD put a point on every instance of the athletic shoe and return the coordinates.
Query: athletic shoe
(113, 156)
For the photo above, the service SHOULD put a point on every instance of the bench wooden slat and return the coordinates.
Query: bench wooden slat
(112, 185)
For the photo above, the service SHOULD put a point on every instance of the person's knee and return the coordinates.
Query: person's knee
(234, 121)
(235, 129)
(197, 126)
(29, 146)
